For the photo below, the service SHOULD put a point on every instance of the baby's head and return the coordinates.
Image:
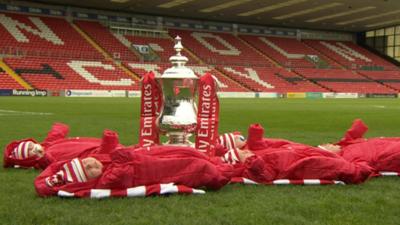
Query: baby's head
(27, 149)
(232, 140)
(92, 167)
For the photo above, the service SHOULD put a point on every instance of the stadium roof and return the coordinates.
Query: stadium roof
(340, 15)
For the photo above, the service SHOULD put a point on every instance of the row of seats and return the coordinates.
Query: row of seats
(226, 84)
(35, 35)
(288, 52)
(219, 48)
(339, 80)
(105, 39)
(7, 82)
(389, 78)
(61, 74)
(349, 54)
(267, 79)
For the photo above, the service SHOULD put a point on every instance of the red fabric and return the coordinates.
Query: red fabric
(164, 164)
(207, 115)
(298, 161)
(132, 167)
(382, 154)
(354, 134)
(43, 189)
(151, 102)
(59, 148)
(256, 140)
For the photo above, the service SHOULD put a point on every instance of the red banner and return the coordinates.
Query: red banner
(207, 115)
(151, 101)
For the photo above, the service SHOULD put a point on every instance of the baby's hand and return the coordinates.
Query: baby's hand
(330, 147)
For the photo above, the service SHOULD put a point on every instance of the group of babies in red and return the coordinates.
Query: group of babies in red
(98, 168)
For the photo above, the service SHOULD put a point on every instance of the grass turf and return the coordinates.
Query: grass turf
(308, 121)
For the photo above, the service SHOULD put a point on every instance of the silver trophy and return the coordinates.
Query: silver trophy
(178, 118)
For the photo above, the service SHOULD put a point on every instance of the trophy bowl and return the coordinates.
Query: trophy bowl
(178, 117)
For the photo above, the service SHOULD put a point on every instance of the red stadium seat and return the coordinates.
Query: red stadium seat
(7, 82)
(107, 40)
(220, 48)
(61, 74)
(288, 52)
(43, 36)
(349, 54)
(339, 80)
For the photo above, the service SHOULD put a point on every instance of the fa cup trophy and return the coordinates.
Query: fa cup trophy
(178, 117)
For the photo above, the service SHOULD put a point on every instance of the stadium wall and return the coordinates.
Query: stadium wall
(137, 94)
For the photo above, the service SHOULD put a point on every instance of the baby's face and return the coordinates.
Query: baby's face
(240, 141)
(36, 149)
(92, 167)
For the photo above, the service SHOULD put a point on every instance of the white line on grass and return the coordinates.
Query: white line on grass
(4, 112)
(379, 106)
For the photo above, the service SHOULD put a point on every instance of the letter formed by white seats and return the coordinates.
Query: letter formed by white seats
(251, 74)
(79, 68)
(230, 49)
(345, 51)
(14, 27)
(201, 70)
(280, 50)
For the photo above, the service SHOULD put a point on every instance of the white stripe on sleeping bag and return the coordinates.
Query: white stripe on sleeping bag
(248, 181)
(168, 188)
(136, 191)
(281, 181)
(312, 181)
(100, 193)
(198, 191)
(387, 173)
(65, 194)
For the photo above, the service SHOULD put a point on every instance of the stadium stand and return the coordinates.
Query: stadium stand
(339, 80)
(61, 74)
(42, 36)
(267, 79)
(109, 42)
(220, 48)
(389, 78)
(289, 52)
(52, 53)
(349, 54)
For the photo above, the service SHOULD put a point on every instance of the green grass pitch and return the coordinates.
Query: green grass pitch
(308, 121)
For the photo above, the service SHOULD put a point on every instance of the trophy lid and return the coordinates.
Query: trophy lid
(178, 70)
